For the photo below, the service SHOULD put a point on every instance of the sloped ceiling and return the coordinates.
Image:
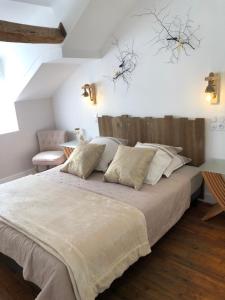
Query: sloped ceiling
(47, 80)
(89, 23)
(38, 2)
(21, 12)
(95, 26)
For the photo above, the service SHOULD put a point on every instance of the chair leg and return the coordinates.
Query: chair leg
(213, 211)
(36, 169)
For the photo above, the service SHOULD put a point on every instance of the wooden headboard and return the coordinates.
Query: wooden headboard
(184, 132)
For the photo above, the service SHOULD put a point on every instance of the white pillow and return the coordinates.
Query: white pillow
(158, 165)
(112, 145)
(172, 149)
(121, 141)
(177, 162)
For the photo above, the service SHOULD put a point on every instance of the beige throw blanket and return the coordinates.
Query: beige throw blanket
(96, 237)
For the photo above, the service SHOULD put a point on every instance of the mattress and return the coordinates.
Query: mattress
(163, 205)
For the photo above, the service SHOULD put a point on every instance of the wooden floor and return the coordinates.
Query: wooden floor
(188, 263)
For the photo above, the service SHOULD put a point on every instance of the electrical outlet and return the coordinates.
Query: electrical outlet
(217, 124)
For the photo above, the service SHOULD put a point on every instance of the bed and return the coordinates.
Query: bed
(162, 205)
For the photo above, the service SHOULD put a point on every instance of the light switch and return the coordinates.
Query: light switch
(217, 124)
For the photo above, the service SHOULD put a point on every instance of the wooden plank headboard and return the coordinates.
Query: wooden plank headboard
(184, 132)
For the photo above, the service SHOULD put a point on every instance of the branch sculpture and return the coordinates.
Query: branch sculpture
(174, 35)
(127, 62)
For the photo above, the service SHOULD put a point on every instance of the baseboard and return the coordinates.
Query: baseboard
(16, 176)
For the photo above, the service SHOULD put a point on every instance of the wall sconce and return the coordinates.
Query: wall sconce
(212, 89)
(90, 91)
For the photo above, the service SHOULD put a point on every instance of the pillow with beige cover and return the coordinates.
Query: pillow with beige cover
(83, 160)
(129, 166)
(158, 165)
(177, 162)
(172, 149)
(111, 146)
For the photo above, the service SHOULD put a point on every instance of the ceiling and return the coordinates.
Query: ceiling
(90, 25)
(95, 26)
(37, 2)
(47, 80)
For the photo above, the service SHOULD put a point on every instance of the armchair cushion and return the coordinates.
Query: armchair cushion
(51, 139)
(49, 158)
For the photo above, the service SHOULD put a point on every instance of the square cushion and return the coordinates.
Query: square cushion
(129, 166)
(158, 165)
(177, 162)
(112, 145)
(49, 158)
(83, 160)
(172, 149)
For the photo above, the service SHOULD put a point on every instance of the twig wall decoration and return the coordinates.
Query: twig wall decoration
(174, 35)
(127, 62)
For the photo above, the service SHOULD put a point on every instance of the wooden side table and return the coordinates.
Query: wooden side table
(69, 147)
(213, 173)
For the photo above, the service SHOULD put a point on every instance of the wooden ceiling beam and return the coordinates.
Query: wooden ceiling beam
(21, 33)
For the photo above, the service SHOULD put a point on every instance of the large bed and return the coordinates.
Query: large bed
(162, 206)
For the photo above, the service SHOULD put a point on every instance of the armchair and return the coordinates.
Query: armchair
(51, 154)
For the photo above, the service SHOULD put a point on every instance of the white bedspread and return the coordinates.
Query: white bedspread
(96, 237)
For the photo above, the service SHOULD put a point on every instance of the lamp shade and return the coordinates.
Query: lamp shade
(210, 89)
(85, 93)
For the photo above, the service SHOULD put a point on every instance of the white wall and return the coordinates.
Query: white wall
(157, 88)
(18, 148)
(69, 11)
(19, 61)
(71, 110)
(19, 64)
(32, 14)
(92, 29)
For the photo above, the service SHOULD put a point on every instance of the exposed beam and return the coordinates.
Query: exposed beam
(20, 33)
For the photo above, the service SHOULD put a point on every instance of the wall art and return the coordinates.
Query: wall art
(174, 35)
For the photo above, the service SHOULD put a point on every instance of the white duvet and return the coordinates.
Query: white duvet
(96, 237)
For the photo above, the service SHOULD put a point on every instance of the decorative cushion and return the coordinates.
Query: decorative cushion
(129, 166)
(83, 160)
(177, 162)
(49, 158)
(122, 141)
(50, 140)
(112, 145)
(172, 149)
(158, 165)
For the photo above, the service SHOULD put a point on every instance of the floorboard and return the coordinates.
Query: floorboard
(187, 263)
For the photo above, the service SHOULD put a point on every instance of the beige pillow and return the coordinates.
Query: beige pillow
(158, 165)
(111, 147)
(121, 141)
(177, 162)
(83, 160)
(170, 149)
(129, 166)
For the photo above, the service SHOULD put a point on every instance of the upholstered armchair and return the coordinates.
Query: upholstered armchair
(51, 154)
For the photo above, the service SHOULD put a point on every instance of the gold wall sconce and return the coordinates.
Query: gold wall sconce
(90, 91)
(213, 88)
